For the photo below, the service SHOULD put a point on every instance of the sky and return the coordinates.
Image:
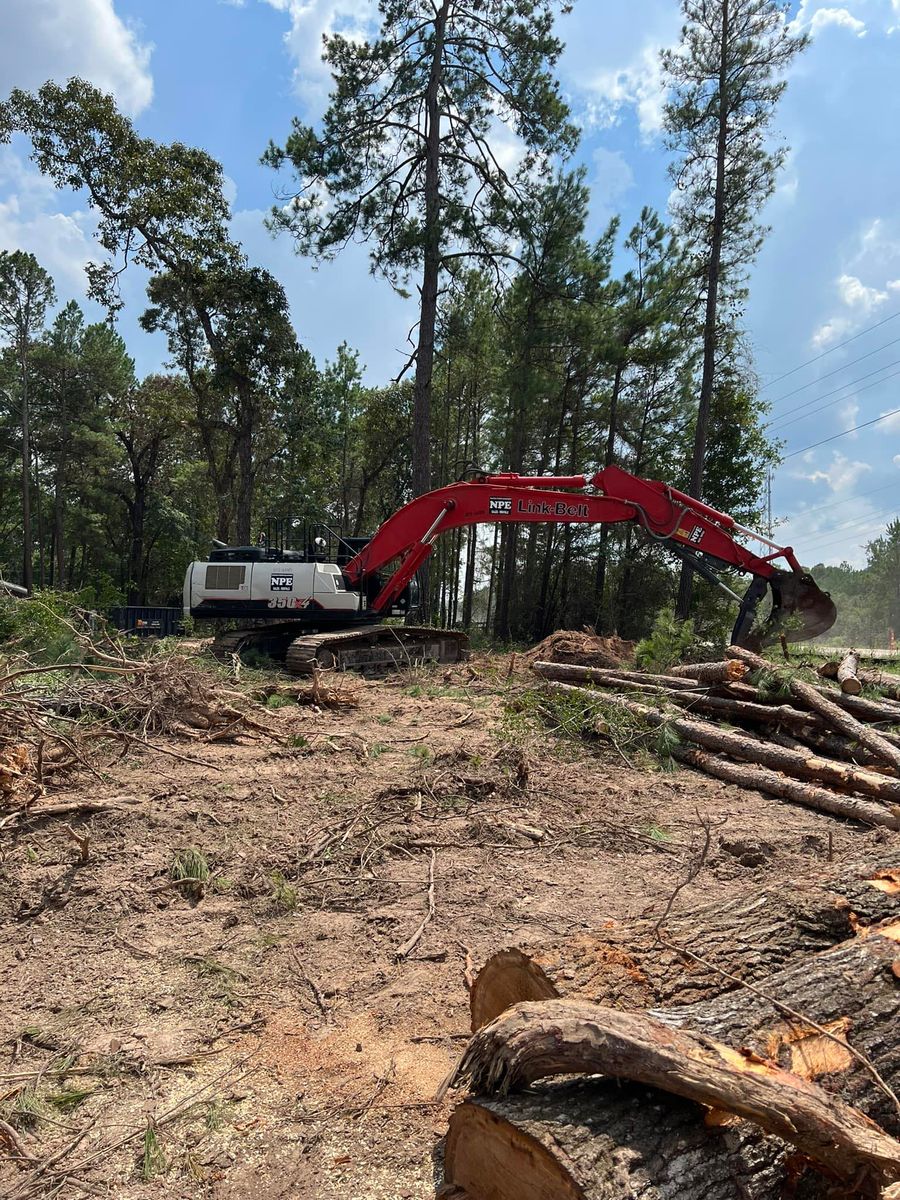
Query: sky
(823, 315)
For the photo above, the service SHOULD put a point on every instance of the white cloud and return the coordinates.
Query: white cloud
(841, 475)
(30, 220)
(823, 17)
(874, 257)
(896, 460)
(891, 422)
(311, 20)
(810, 19)
(612, 176)
(638, 83)
(855, 294)
(55, 39)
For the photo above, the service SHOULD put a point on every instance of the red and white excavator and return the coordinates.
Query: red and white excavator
(325, 603)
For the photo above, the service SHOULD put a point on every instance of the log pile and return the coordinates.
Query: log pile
(823, 746)
(781, 1078)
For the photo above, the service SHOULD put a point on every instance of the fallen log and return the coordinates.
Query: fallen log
(570, 673)
(744, 939)
(731, 670)
(540, 1039)
(757, 752)
(619, 1141)
(857, 706)
(816, 699)
(735, 700)
(831, 744)
(783, 787)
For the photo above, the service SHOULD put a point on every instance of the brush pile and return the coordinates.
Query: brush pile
(582, 646)
(65, 716)
(748, 722)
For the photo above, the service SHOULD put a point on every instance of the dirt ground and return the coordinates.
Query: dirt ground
(267, 1038)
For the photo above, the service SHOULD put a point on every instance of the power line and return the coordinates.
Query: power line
(834, 437)
(851, 385)
(836, 371)
(856, 496)
(860, 537)
(865, 520)
(825, 353)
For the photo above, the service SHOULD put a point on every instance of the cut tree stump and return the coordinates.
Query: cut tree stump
(607, 1140)
(748, 937)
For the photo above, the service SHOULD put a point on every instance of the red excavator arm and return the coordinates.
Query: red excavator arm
(688, 527)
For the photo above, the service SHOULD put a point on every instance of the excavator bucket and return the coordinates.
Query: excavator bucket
(800, 610)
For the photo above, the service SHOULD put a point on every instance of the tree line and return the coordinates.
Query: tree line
(538, 349)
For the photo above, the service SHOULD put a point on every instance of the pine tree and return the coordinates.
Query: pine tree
(727, 79)
(405, 157)
(26, 292)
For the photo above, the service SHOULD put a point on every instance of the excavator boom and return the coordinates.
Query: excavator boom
(691, 529)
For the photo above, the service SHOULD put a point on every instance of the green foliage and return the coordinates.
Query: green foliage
(153, 1160)
(284, 894)
(190, 870)
(667, 644)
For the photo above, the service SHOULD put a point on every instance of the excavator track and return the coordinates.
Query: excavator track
(376, 650)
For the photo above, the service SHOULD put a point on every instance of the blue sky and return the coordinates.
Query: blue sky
(228, 75)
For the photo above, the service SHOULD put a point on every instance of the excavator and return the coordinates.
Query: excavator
(325, 604)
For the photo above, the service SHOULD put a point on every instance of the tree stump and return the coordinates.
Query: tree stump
(604, 1140)
(749, 937)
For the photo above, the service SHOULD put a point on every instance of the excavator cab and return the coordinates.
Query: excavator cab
(800, 610)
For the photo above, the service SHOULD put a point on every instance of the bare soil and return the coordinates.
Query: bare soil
(263, 1038)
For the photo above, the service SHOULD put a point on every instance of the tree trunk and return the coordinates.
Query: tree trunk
(137, 511)
(431, 265)
(244, 513)
(27, 543)
(608, 458)
(612, 1140)
(59, 533)
(710, 322)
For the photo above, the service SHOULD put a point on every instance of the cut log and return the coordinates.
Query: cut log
(731, 670)
(601, 1140)
(546, 1038)
(606, 1141)
(569, 673)
(816, 699)
(742, 939)
(832, 745)
(754, 751)
(783, 787)
(884, 682)
(858, 706)
(847, 674)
